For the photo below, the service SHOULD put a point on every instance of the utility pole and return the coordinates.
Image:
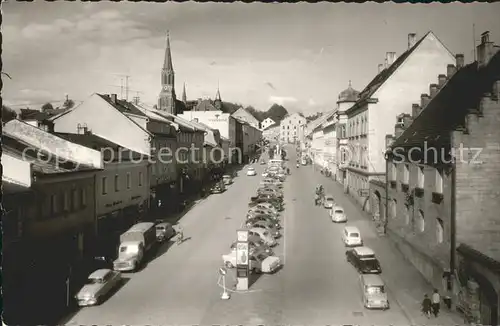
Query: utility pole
(474, 41)
(135, 98)
(126, 84)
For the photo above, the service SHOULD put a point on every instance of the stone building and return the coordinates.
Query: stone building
(398, 83)
(292, 128)
(444, 181)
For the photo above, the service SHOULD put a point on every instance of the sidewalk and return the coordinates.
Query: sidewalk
(405, 284)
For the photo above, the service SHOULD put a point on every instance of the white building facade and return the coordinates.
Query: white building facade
(292, 128)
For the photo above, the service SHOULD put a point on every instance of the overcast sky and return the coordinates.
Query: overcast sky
(299, 55)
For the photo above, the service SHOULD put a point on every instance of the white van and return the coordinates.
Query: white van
(351, 236)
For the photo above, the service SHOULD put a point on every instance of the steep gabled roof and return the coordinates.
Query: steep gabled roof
(384, 75)
(123, 106)
(448, 108)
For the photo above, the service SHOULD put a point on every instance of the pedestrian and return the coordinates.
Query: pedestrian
(436, 302)
(426, 306)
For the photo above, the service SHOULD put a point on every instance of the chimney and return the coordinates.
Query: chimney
(380, 68)
(441, 80)
(415, 110)
(424, 100)
(398, 130)
(389, 140)
(433, 89)
(412, 39)
(459, 61)
(450, 71)
(390, 57)
(486, 50)
(407, 120)
(113, 98)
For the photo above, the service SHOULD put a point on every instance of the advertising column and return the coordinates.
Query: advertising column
(242, 264)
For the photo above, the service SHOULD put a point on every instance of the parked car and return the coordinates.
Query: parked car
(373, 292)
(259, 261)
(364, 260)
(134, 244)
(351, 236)
(218, 188)
(164, 231)
(255, 243)
(251, 172)
(227, 179)
(266, 211)
(277, 204)
(269, 191)
(98, 286)
(265, 235)
(329, 202)
(262, 162)
(269, 226)
(267, 206)
(338, 215)
(260, 217)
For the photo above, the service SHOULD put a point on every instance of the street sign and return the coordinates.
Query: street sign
(242, 235)
(222, 271)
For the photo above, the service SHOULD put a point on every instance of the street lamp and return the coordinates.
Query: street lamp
(388, 157)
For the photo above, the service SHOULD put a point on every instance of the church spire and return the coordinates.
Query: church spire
(217, 95)
(167, 63)
(184, 96)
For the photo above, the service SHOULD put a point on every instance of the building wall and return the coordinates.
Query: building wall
(164, 169)
(290, 128)
(244, 115)
(16, 170)
(99, 115)
(64, 203)
(478, 181)
(120, 185)
(421, 231)
(402, 89)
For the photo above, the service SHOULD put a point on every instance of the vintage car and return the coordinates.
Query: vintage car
(264, 234)
(262, 217)
(251, 172)
(329, 202)
(227, 179)
(255, 243)
(267, 206)
(268, 191)
(278, 204)
(218, 188)
(364, 260)
(269, 226)
(258, 261)
(264, 211)
(99, 285)
(338, 215)
(164, 231)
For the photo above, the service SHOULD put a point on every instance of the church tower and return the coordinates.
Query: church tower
(184, 96)
(218, 100)
(167, 98)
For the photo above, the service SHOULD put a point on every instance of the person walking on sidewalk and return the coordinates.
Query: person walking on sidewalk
(426, 306)
(436, 302)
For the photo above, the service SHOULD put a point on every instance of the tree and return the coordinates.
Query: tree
(276, 112)
(8, 114)
(69, 103)
(47, 107)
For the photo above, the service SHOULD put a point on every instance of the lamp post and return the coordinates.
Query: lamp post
(388, 157)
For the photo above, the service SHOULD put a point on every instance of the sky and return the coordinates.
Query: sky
(298, 55)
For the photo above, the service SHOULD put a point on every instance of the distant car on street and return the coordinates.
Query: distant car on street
(364, 260)
(259, 261)
(262, 162)
(164, 231)
(98, 286)
(329, 202)
(269, 226)
(351, 236)
(264, 234)
(251, 172)
(338, 215)
(218, 188)
(227, 179)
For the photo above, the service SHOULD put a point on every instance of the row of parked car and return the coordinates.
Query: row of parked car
(263, 221)
(362, 258)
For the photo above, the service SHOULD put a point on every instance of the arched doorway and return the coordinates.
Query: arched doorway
(488, 298)
(377, 210)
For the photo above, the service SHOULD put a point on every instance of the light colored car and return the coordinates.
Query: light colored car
(255, 243)
(227, 179)
(373, 291)
(264, 211)
(329, 201)
(265, 235)
(258, 261)
(351, 236)
(337, 214)
(98, 285)
(251, 172)
(269, 207)
(271, 227)
(164, 231)
(265, 174)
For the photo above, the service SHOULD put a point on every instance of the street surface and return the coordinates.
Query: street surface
(316, 286)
